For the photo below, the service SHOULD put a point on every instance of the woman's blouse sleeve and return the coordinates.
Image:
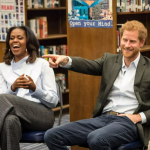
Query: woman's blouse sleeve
(47, 93)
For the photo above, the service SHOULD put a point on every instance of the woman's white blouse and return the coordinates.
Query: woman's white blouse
(39, 71)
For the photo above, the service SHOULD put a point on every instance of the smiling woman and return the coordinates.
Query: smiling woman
(27, 88)
(26, 41)
(17, 44)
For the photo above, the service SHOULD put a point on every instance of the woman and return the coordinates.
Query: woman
(27, 88)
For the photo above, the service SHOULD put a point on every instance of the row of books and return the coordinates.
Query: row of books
(118, 37)
(55, 49)
(60, 78)
(43, 3)
(133, 5)
(38, 26)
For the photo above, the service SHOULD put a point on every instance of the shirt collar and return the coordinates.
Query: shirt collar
(135, 62)
(16, 65)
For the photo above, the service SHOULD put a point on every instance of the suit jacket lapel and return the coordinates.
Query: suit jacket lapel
(113, 74)
(139, 71)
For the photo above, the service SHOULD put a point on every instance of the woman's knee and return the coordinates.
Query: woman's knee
(6, 97)
(12, 120)
(2, 96)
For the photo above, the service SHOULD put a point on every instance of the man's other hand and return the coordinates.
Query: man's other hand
(135, 118)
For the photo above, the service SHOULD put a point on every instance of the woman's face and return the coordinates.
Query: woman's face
(17, 43)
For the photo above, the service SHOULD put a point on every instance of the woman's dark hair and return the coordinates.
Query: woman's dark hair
(32, 45)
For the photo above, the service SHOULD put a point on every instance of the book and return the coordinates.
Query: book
(63, 49)
(33, 26)
(43, 27)
(47, 3)
(42, 50)
(40, 3)
(29, 3)
(57, 3)
(58, 49)
(123, 6)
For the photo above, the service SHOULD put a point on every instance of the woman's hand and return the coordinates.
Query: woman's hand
(31, 84)
(56, 60)
(23, 82)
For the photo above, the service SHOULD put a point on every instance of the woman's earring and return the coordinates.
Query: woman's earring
(26, 50)
(9, 50)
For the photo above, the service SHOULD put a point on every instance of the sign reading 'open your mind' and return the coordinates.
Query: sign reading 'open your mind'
(90, 13)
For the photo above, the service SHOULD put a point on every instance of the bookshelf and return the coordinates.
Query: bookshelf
(145, 48)
(56, 35)
(57, 8)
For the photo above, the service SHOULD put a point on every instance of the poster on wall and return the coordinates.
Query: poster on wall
(11, 14)
(90, 13)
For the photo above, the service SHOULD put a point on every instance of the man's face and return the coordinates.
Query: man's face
(130, 44)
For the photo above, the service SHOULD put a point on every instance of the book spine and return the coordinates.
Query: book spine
(46, 53)
(127, 5)
(29, 3)
(53, 3)
(58, 49)
(57, 3)
(41, 27)
(54, 50)
(32, 25)
(45, 3)
(44, 27)
(40, 4)
(42, 50)
(29, 24)
(33, 3)
(36, 5)
(38, 28)
(35, 25)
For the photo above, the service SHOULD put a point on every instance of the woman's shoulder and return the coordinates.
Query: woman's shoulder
(4, 67)
(42, 61)
(3, 64)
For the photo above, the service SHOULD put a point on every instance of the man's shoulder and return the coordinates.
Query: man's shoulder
(112, 56)
(147, 60)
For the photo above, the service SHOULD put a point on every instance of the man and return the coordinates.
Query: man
(121, 114)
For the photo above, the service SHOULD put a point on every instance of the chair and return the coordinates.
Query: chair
(38, 136)
(136, 145)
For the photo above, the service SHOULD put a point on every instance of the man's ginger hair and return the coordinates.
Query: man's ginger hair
(135, 26)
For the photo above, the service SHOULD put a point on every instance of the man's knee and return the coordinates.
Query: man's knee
(96, 141)
(50, 135)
